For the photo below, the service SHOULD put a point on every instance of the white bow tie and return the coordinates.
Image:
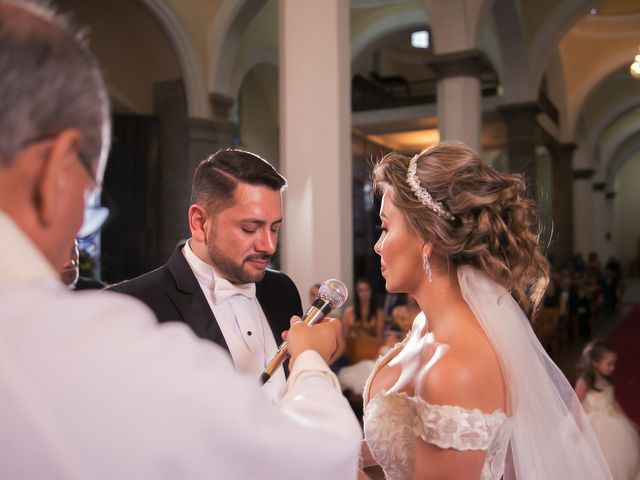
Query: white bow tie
(224, 290)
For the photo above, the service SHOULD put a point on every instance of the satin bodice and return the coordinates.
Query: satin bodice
(393, 422)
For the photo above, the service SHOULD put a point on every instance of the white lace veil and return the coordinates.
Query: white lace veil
(551, 438)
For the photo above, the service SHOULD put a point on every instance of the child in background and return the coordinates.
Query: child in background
(618, 436)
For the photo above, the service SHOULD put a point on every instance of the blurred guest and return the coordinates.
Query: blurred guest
(364, 318)
(617, 434)
(578, 262)
(594, 265)
(568, 301)
(615, 269)
(70, 274)
(403, 315)
(313, 293)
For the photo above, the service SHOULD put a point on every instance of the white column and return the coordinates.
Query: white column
(458, 64)
(315, 140)
(460, 110)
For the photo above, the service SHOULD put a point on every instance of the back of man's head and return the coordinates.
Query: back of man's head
(49, 82)
(217, 176)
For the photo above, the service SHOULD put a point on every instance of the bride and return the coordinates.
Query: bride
(470, 392)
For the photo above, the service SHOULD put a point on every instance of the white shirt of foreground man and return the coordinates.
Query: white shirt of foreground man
(92, 387)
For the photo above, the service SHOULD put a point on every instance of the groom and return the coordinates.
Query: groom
(218, 282)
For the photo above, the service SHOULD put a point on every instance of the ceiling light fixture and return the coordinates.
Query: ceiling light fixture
(420, 39)
(634, 69)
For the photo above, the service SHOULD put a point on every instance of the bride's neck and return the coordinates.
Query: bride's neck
(439, 300)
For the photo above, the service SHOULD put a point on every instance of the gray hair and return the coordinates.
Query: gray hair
(49, 81)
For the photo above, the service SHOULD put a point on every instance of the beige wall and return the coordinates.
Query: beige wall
(258, 115)
(133, 50)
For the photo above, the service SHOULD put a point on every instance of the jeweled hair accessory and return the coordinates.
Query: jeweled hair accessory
(421, 193)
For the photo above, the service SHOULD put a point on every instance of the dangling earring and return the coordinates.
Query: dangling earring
(426, 266)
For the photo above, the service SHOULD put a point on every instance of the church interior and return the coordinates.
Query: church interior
(546, 88)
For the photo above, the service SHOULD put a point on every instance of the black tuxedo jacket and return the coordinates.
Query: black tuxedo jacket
(174, 294)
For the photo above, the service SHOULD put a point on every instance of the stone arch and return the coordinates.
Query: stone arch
(622, 198)
(460, 21)
(546, 39)
(258, 113)
(514, 72)
(266, 56)
(625, 151)
(590, 82)
(606, 121)
(624, 128)
(380, 28)
(224, 37)
(190, 65)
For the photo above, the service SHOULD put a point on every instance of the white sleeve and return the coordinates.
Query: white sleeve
(312, 433)
(125, 398)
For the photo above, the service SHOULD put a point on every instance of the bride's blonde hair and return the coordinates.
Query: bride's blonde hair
(494, 226)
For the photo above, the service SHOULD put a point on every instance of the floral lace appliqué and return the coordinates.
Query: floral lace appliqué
(449, 426)
(393, 421)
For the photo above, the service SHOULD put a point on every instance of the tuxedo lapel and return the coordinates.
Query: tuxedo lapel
(276, 309)
(189, 300)
(272, 308)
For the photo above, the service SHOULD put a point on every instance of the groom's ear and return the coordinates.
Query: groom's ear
(198, 217)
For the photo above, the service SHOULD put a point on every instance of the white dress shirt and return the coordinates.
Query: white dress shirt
(241, 320)
(91, 387)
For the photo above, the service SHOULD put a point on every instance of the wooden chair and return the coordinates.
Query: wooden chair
(363, 348)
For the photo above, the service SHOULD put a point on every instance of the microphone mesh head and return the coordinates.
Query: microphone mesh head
(333, 291)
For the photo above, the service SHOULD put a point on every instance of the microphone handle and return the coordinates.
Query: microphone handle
(316, 312)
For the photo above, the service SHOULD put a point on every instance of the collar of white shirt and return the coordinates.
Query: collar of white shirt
(222, 288)
(20, 260)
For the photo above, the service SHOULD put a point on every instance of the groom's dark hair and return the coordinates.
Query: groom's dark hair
(217, 177)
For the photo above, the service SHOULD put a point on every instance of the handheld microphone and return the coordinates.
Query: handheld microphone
(332, 294)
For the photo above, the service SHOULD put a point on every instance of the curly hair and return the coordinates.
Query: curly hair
(493, 228)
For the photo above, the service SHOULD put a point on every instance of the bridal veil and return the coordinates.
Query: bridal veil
(551, 438)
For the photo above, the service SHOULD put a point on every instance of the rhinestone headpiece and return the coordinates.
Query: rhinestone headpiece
(421, 193)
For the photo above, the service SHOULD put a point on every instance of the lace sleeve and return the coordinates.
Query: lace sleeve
(448, 426)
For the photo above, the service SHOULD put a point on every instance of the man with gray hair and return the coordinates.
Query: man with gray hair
(90, 385)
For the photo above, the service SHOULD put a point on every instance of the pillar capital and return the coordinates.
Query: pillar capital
(459, 94)
(560, 151)
(519, 110)
(522, 136)
(221, 105)
(466, 63)
(206, 137)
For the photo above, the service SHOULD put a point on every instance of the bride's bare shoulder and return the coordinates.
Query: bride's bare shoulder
(465, 378)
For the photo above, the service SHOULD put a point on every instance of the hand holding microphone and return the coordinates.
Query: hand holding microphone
(332, 294)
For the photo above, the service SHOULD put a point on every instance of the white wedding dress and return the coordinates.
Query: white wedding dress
(393, 421)
(546, 435)
(618, 439)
